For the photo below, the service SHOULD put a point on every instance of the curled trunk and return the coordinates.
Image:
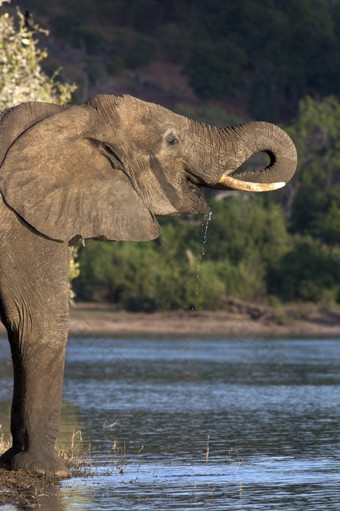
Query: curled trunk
(252, 138)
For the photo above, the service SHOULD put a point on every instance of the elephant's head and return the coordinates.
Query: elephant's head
(106, 168)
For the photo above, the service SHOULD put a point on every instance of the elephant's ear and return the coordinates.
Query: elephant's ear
(58, 178)
(14, 121)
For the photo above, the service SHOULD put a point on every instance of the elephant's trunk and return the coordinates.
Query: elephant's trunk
(249, 139)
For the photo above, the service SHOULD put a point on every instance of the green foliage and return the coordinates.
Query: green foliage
(309, 272)
(316, 134)
(22, 78)
(243, 229)
(94, 68)
(90, 39)
(269, 49)
(176, 43)
(271, 53)
(64, 25)
(144, 15)
(215, 70)
(172, 273)
(143, 276)
(73, 272)
(134, 49)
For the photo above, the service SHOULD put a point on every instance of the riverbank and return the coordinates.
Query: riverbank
(26, 490)
(239, 319)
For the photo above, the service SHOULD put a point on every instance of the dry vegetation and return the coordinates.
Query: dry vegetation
(26, 489)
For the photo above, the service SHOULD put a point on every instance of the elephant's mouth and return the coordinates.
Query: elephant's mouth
(195, 200)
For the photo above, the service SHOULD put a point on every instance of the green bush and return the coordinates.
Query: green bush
(214, 71)
(90, 39)
(309, 271)
(64, 25)
(136, 50)
(176, 43)
(181, 271)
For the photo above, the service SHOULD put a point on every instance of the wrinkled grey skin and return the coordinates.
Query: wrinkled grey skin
(100, 170)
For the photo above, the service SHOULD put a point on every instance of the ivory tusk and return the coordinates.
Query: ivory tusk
(248, 186)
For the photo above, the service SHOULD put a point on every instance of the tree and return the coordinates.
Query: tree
(215, 70)
(316, 206)
(22, 78)
(308, 272)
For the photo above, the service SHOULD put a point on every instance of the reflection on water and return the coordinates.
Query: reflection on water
(209, 423)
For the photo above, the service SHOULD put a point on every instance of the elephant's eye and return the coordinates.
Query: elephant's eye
(171, 139)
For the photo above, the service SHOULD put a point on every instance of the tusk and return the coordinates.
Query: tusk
(248, 186)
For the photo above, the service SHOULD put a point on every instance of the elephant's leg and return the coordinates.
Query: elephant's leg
(36, 405)
(34, 309)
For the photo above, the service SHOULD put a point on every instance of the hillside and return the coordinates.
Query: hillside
(257, 58)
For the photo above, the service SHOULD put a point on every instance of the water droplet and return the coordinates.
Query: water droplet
(207, 219)
(205, 225)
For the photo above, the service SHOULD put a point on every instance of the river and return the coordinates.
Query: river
(211, 424)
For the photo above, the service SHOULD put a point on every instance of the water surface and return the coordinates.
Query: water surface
(200, 423)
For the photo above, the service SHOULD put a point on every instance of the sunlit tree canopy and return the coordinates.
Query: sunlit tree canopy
(21, 76)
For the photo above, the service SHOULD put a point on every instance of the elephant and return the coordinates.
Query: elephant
(100, 170)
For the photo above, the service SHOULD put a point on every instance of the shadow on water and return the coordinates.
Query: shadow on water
(208, 423)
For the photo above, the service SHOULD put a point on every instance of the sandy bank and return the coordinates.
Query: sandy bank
(241, 319)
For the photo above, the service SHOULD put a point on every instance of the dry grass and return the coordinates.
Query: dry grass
(4, 442)
(74, 456)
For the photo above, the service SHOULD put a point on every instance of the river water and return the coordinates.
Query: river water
(211, 424)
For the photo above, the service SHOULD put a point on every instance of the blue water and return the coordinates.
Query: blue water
(200, 423)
